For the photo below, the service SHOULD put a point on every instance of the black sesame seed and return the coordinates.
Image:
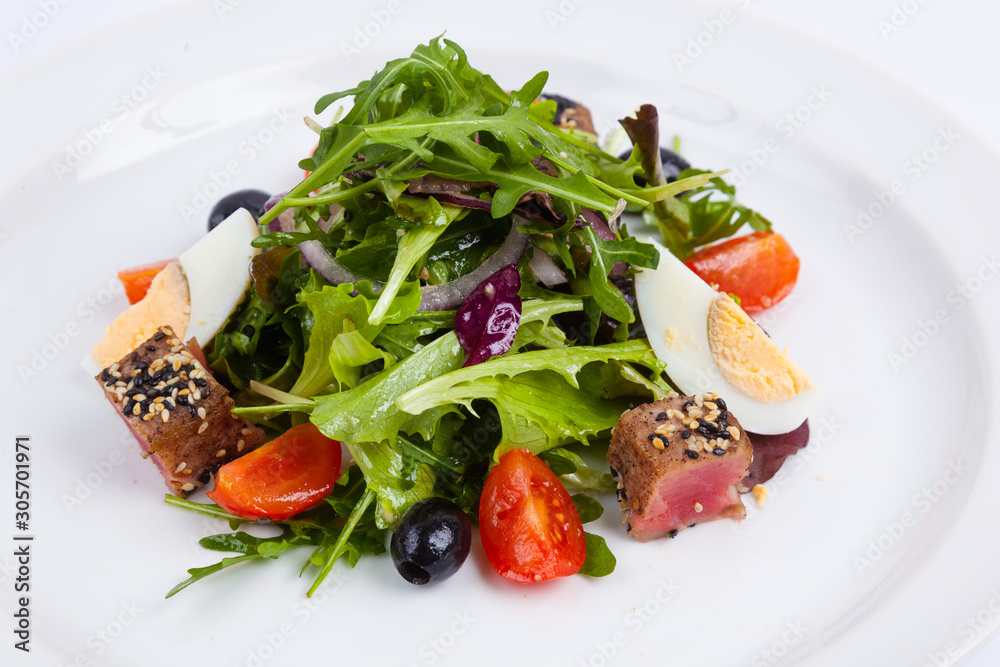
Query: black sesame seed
(628, 527)
(142, 365)
(692, 525)
(199, 382)
(133, 392)
(691, 454)
(721, 403)
(724, 415)
(133, 356)
(705, 431)
(206, 475)
(150, 348)
(159, 335)
(723, 425)
(686, 433)
(129, 404)
(672, 533)
(718, 451)
(687, 404)
(194, 413)
(661, 417)
(652, 436)
(621, 495)
(614, 473)
(105, 375)
(725, 435)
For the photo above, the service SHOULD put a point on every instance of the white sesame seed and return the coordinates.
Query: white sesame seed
(698, 507)
(177, 348)
(203, 427)
(202, 413)
(240, 445)
(220, 453)
(657, 443)
(196, 395)
(735, 432)
(180, 466)
(188, 487)
(711, 406)
(177, 365)
(139, 398)
(166, 415)
(698, 400)
(245, 431)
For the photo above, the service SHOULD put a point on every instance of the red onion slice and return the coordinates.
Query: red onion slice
(325, 265)
(546, 270)
(452, 294)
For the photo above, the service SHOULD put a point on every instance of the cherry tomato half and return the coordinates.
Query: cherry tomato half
(281, 478)
(138, 279)
(529, 526)
(760, 268)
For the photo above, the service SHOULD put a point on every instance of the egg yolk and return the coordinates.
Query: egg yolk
(747, 357)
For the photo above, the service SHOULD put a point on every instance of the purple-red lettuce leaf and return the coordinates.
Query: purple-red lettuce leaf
(487, 322)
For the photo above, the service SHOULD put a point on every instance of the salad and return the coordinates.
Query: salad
(440, 317)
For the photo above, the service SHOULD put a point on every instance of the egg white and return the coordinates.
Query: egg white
(674, 303)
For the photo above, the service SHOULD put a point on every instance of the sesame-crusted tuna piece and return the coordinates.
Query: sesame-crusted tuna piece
(180, 415)
(677, 463)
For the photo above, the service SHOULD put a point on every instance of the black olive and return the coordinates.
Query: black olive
(673, 165)
(431, 541)
(251, 200)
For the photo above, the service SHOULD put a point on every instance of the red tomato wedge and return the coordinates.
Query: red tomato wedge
(137, 279)
(281, 478)
(530, 529)
(760, 268)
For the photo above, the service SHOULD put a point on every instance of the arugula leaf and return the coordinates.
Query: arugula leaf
(600, 562)
(251, 548)
(575, 473)
(588, 507)
(432, 219)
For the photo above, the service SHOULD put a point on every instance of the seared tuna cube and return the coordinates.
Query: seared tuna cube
(181, 416)
(677, 463)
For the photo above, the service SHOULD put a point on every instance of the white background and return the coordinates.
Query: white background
(948, 51)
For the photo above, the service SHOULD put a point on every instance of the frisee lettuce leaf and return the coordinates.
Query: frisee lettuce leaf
(541, 401)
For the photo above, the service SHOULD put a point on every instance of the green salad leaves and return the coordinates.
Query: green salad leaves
(432, 172)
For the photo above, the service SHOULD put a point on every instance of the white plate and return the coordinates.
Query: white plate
(791, 585)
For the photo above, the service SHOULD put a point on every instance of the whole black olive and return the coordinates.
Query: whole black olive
(251, 200)
(431, 541)
(673, 165)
